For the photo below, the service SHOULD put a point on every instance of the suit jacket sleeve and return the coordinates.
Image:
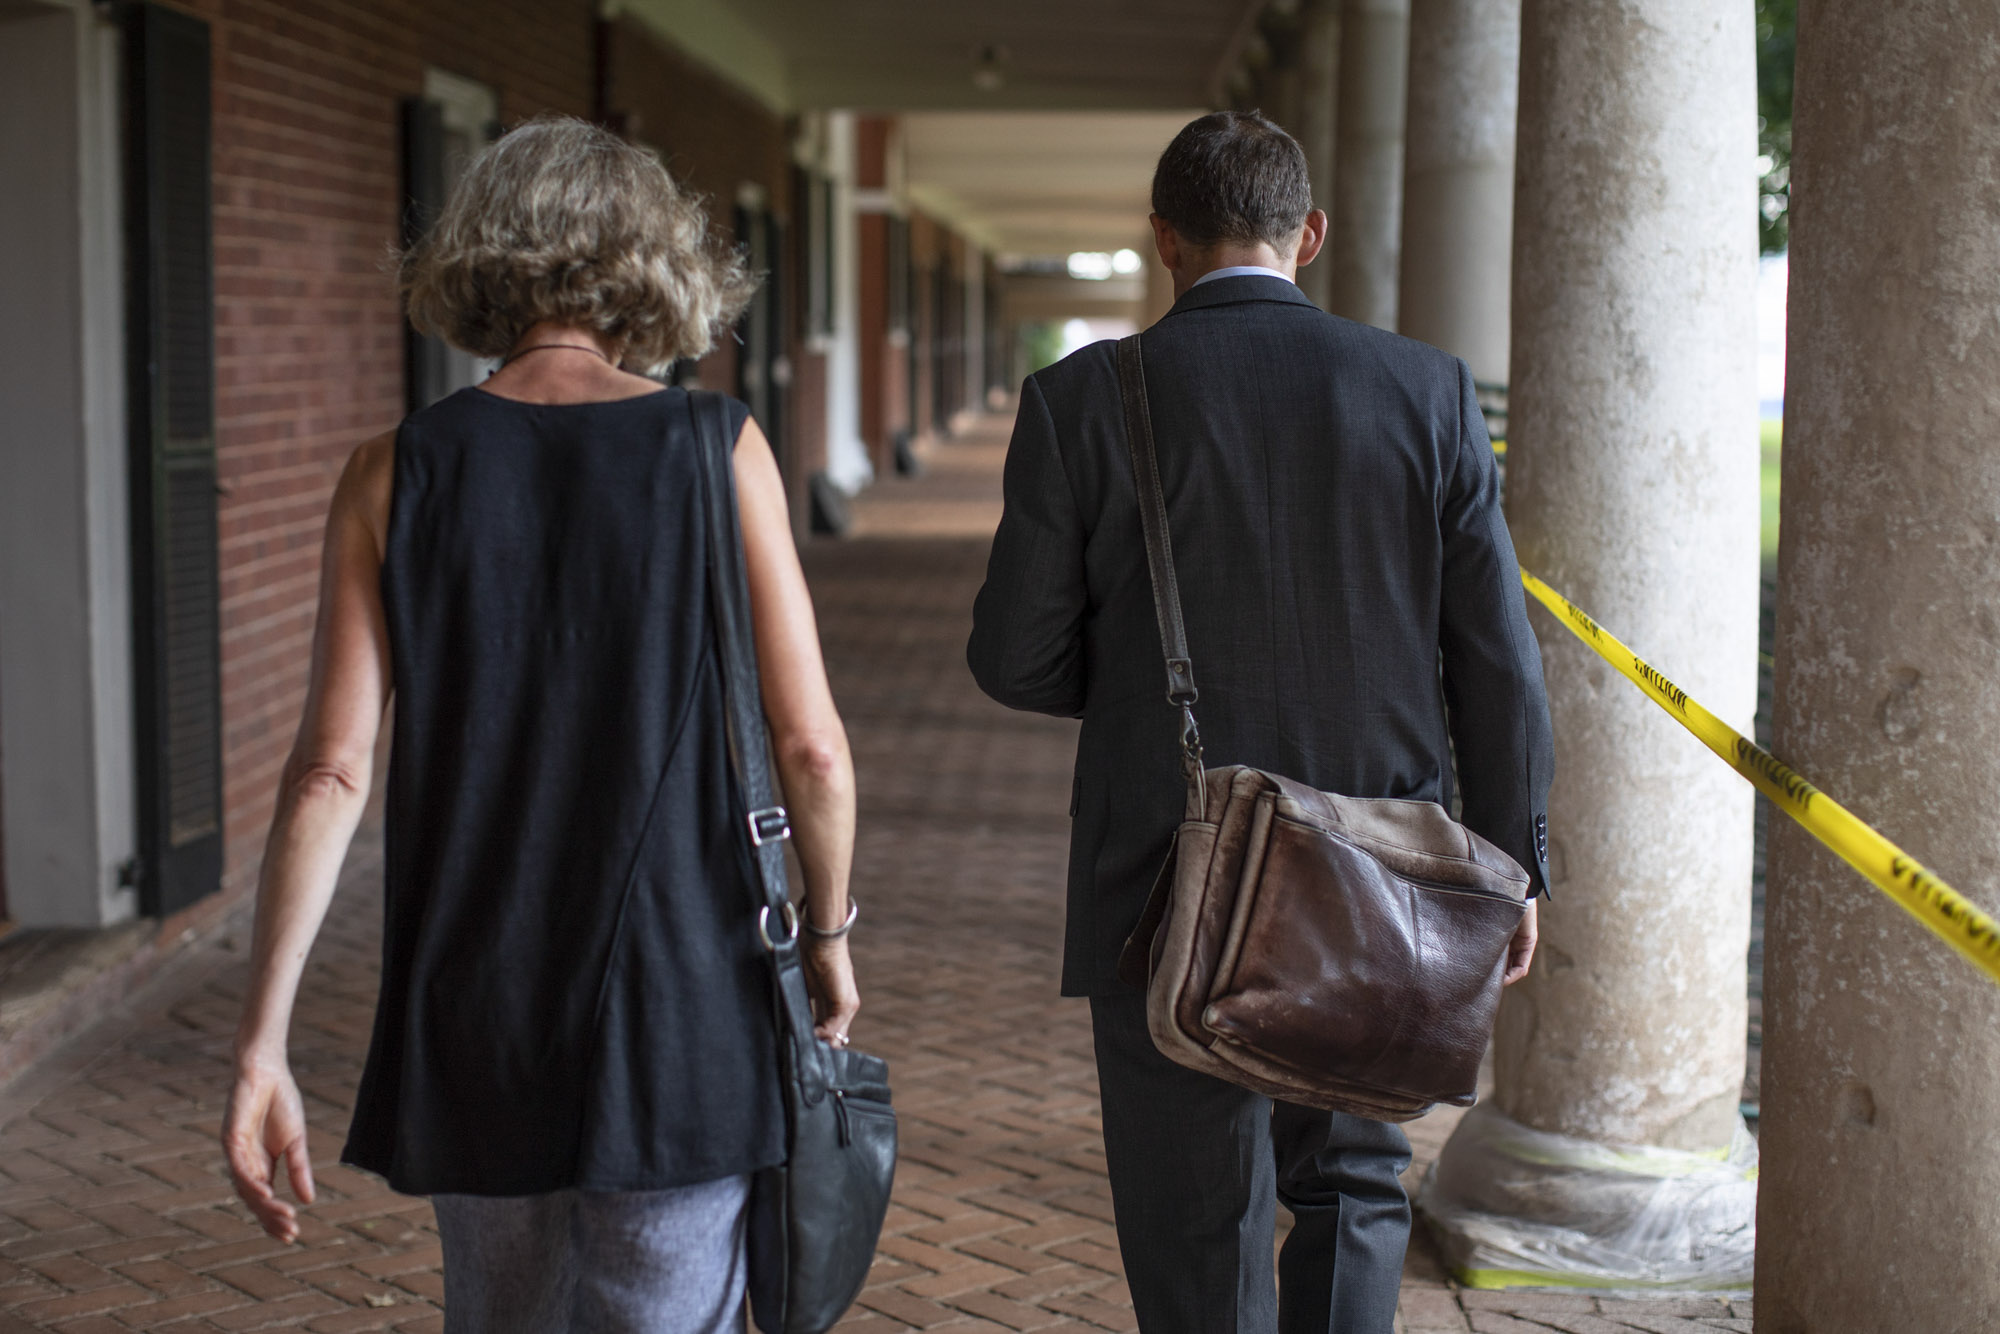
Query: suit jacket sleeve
(1492, 664)
(1027, 623)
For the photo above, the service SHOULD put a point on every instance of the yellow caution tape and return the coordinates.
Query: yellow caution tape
(1494, 1280)
(1937, 905)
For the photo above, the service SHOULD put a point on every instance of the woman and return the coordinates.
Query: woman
(574, 1051)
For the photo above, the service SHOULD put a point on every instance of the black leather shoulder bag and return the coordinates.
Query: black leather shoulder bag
(815, 1219)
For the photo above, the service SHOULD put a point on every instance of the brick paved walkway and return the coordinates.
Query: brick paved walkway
(115, 1215)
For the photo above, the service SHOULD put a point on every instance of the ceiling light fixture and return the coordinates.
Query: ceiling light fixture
(987, 75)
(1090, 265)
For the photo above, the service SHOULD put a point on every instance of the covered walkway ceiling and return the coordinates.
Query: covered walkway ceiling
(1032, 126)
(914, 55)
(1039, 183)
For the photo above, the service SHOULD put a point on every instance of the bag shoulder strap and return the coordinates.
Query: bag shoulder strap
(1181, 690)
(765, 825)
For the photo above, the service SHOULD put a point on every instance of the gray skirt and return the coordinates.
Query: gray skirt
(595, 1262)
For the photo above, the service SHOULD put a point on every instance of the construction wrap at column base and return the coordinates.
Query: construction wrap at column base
(1514, 1207)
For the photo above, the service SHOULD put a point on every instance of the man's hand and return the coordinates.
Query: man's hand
(830, 981)
(1521, 949)
(266, 1125)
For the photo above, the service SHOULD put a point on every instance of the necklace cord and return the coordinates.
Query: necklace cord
(545, 347)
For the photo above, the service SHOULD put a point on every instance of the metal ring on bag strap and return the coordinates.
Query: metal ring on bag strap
(791, 920)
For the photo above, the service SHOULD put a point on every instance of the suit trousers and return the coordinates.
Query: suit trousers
(1196, 1166)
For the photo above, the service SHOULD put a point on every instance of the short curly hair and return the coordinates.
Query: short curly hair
(561, 220)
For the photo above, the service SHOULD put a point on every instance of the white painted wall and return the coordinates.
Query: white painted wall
(847, 462)
(65, 613)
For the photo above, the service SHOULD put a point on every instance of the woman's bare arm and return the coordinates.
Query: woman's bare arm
(808, 741)
(320, 799)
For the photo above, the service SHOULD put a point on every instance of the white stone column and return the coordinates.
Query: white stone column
(1632, 488)
(1458, 179)
(1881, 1195)
(1367, 213)
(1318, 118)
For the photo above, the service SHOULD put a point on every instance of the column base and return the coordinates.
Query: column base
(1514, 1207)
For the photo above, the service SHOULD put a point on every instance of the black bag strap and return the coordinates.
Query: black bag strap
(1181, 690)
(765, 826)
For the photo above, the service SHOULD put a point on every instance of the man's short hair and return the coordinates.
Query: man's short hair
(1233, 176)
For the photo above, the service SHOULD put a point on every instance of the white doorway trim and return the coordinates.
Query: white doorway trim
(67, 796)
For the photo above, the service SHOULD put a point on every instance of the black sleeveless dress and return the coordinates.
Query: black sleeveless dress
(573, 994)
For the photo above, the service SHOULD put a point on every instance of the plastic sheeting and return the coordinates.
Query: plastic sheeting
(1515, 1207)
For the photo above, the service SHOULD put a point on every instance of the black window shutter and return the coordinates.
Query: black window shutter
(426, 372)
(170, 322)
(775, 418)
(941, 342)
(899, 274)
(753, 328)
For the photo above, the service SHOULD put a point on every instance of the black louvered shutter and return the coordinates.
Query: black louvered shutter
(776, 419)
(170, 321)
(754, 334)
(426, 369)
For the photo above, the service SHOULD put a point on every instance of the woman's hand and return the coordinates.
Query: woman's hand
(266, 1125)
(830, 981)
(321, 794)
(1521, 949)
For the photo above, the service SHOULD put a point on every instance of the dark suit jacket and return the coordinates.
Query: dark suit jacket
(1348, 581)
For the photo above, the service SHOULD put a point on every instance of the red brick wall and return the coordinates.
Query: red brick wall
(715, 138)
(309, 337)
(713, 135)
(308, 334)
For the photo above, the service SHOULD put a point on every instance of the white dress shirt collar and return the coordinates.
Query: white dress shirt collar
(1237, 271)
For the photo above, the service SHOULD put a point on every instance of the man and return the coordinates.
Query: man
(1354, 612)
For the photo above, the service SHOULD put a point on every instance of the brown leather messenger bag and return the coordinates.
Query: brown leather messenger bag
(1334, 951)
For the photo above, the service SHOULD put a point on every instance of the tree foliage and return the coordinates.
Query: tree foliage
(1777, 44)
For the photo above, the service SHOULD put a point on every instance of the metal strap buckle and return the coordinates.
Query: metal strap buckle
(770, 825)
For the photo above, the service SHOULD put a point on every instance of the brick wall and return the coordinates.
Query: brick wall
(885, 408)
(713, 136)
(716, 138)
(308, 334)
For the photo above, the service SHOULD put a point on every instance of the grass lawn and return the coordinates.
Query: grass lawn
(1767, 489)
